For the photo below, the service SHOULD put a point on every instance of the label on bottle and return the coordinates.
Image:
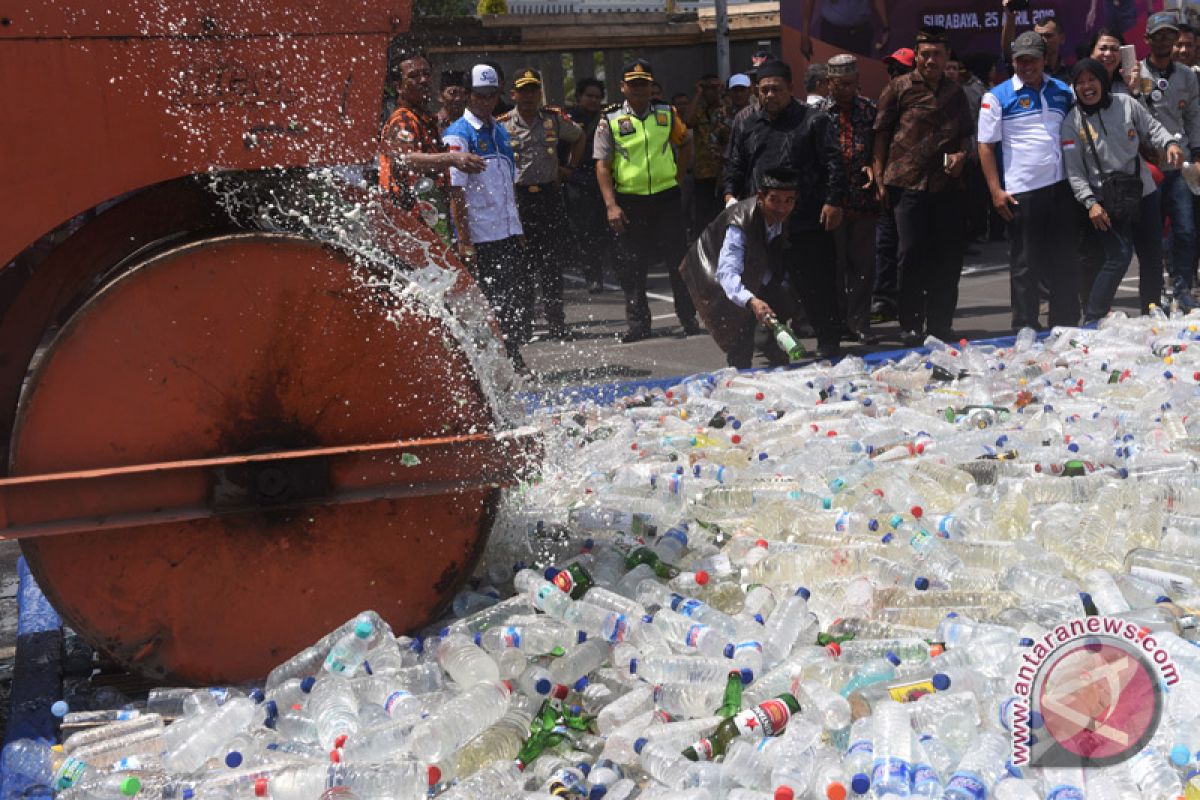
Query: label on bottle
(908, 692)
(1065, 792)
(967, 783)
(925, 775)
(219, 693)
(689, 607)
(921, 541)
(511, 636)
(1171, 581)
(889, 772)
(394, 698)
(128, 764)
(703, 750)
(860, 747)
(616, 628)
(70, 773)
(123, 716)
(765, 719)
(693, 635)
(842, 523)
(944, 524)
(743, 648)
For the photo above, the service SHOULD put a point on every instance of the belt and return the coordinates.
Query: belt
(537, 187)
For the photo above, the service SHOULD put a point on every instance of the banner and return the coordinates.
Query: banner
(872, 29)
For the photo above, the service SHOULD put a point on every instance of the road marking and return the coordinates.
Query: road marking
(651, 295)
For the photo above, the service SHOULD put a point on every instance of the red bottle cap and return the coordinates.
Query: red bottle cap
(435, 775)
(260, 787)
(784, 793)
(702, 578)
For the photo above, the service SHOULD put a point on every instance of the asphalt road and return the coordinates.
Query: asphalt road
(597, 357)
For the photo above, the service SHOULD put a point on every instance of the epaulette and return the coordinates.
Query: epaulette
(505, 117)
(610, 108)
(555, 110)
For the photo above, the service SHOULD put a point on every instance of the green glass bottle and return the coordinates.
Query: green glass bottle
(768, 718)
(788, 342)
(731, 703)
(574, 580)
(644, 555)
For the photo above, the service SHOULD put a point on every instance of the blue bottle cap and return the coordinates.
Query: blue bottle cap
(269, 722)
(747, 676)
(639, 744)
(417, 645)
(367, 667)
(866, 401)
(922, 583)
(1181, 755)
(892, 657)
(633, 666)
(597, 792)
(478, 638)
(763, 456)
(233, 759)
(1025, 642)
(257, 695)
(581, 684)
(860, 783)
(1073, 447)
(584, 767)
(543, 686)
(873, 524)
(887, 538)
(272, 708)
(188, 794)
(549, 572)
(580, 637)
(444, 632)
(307, 683)
(729, 650)
(759, 619)
(1162, 599)
(60, 708)
(941, 681)
(676, 599)
(803, 591)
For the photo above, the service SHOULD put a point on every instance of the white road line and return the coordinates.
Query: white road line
(611, 288)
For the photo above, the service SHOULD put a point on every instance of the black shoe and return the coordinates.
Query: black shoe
(634, 335)
(911, 338)
(692, 328)
(862, 338)
(595, 287)
(561, 333)
(882, 311)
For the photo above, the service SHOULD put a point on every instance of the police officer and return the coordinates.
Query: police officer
(642, 150)
(535, 132)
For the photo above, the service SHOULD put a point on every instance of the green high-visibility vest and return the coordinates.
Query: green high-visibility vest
(643, 159)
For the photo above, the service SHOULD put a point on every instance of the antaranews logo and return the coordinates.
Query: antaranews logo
(1088, 693)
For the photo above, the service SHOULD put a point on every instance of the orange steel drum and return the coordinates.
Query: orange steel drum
(219, 443)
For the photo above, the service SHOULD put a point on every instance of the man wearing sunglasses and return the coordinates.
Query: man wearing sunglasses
(1171, 92)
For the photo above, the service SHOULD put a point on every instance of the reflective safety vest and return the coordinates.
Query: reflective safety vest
(643, 160)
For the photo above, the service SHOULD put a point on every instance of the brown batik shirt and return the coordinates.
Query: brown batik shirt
(925, 125)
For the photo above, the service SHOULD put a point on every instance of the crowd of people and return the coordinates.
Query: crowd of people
(771, 201)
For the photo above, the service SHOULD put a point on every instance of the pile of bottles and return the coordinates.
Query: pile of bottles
(812, 583)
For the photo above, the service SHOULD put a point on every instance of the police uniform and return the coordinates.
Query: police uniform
(539, 196)
(640, 151)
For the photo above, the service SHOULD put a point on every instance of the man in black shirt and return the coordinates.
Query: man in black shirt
(785, 133)
(585, 205)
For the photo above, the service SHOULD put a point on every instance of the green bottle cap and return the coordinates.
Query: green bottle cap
(130, 786)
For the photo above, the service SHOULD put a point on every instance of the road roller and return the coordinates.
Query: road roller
(241, 397)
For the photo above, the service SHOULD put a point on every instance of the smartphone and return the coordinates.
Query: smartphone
(1128, 57)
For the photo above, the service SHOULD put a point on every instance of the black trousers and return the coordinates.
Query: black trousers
(653, 234)
(754, 336)
(930, 225)
(1041, 236)
(706, 204)
(589, 225)
(503, 273)
(549, 244)
(887, 270)
(812, 259)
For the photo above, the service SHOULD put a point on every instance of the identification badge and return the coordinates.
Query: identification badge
(1156, 96)
(625, 126)
(662, 118)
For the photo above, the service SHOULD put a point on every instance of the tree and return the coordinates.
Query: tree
(492, 7)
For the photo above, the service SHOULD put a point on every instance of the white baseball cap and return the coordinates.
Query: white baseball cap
(740, 79)
(483, 76)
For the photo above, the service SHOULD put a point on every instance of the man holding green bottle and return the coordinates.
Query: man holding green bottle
(736, 275)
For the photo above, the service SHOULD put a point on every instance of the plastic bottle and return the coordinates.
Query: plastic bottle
(784, 625)
(860, 754)
(467, 715)
(206, 738)
(892, 769)
(465, 662)
(1156, 778)
(979, 769)
(310, 660)
(925, 779)
(534, 639)
(334, 707)
(872, 671)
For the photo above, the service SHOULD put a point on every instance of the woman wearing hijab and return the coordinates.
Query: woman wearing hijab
(1101, 136)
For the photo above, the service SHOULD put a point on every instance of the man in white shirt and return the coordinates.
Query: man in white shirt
(1024, 115)
(484, 209)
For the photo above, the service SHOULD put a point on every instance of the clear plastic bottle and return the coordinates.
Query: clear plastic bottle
(533, 638)
(665, 765)
(860, 754)
(871, 671)
(679, 669)
(688, 699)
(465, 662)
(1105, 593)
(891, 771)
(453, 724)
(1155, 777)
(500, 742)
(925, 779)
(399, 779)
(309, 661)
(634, 703)
(979, 769)
(205, 739)
(687, 633)
(784, 625)
(334, 707)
